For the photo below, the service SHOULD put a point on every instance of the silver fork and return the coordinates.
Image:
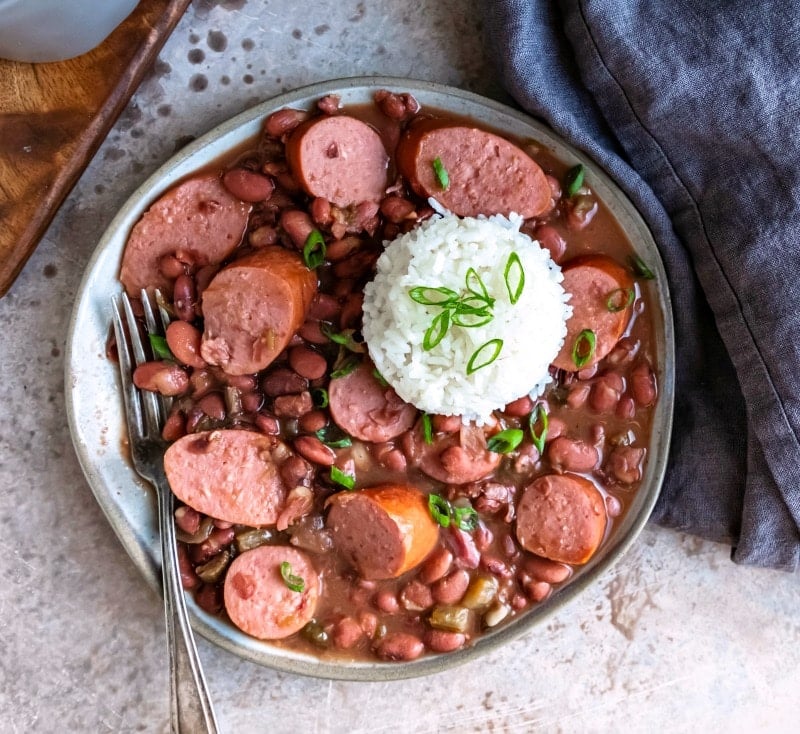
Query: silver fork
(190, 704)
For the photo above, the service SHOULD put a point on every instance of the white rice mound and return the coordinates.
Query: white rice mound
(439, 253)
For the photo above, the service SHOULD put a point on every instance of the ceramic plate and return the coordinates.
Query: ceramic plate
(95, 410)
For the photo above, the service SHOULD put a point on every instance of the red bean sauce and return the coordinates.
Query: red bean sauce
(475, 578)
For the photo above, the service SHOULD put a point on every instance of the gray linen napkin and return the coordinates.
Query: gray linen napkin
(694, 109)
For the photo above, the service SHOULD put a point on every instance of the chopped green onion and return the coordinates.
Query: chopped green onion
(339, 477)
(427, 429)
(620, 299)
(430, 296)
(514, 276)
(484, 355)
(436, 331)
(380, 378)
(505, 441)
(574, 180)
(319, 396)
(295, 583)
(351, 339)
(159, 346)
(538, 416)
(583, 348)
(441, 173)
(345, 367)
(640, 268)
(479, 289)
(440, 509)
(471, 318)
(465, 518)
(314, 250)
(334, 437)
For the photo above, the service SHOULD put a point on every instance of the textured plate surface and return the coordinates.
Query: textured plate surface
(95, 411)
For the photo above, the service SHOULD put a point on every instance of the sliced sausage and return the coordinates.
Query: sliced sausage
(454, 458)
(340, 159)
(383, 531)
(367, 410)
(561, 517)
(594, 283)
(199, 218)
(259, 601)
(253, 307)
(227, 474)
(486, 173)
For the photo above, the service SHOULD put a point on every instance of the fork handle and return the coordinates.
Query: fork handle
(190, 704)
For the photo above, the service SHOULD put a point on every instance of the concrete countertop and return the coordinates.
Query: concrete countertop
(675, 639)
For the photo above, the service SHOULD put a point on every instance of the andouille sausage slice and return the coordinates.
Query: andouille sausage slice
(228, 475)
(198, 217)
(361, 406)
(338, 158)
(258, 599)
(599, 289)
(458, 457)
(561, 517)
(382, 531)
(253, 307)
(486, 174)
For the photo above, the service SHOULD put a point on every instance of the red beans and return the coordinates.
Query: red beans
(399, 646)
(184, 298)
(346, 633)
(311, 448)
(248, 185)
(297, 225)
(451, 588)
(295, 471)
(519, 407)
(443, 641)
(307, 363)
(568, 454)
(544, 569)
(397, 209)
(284, 121)
(283, 381)
(436, 565)
(183, 340)
(643, 385)
(293, 406)
(550, 238)
(165, 378)
(606, 392)
(416, 596)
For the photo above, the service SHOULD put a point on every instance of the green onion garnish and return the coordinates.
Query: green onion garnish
(380, 378)
(339, 477)
(465, 518)
(159, 346)
(319, 396)
(484, 355)
(639, 267)
(505, 441)
(351, 339)
(436, 331)
(620, 299)
(477, 286)
(430, 296)
(583, 348)
(314, 250)
(440, 509)
(514, 276)
(345, 367)
(441, 173)
(427, 429)
(538, 417)
(574, 180)
(295, 583)
(334, 437)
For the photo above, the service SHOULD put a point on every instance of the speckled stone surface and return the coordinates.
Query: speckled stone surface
(676, 638)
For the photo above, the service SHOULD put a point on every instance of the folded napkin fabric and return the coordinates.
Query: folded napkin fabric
(693, 108)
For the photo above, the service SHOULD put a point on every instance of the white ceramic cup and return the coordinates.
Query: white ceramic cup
(54, 30)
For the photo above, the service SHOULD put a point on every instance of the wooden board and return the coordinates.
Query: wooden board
(53, 118)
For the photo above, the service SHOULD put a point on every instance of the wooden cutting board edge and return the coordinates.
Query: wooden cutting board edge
(96, 131)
